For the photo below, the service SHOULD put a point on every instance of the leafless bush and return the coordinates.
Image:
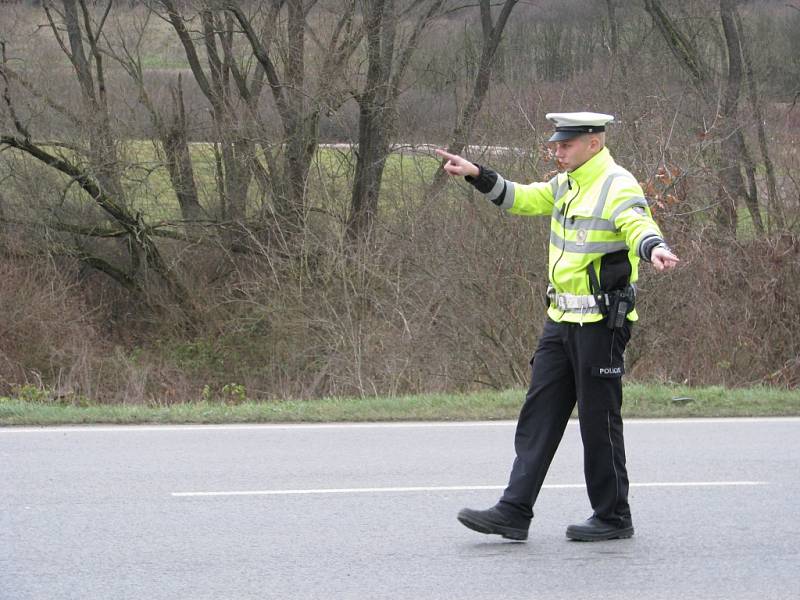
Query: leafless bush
(47, 334)
(726, 317)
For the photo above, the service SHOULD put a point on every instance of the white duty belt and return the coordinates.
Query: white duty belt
(573, 302)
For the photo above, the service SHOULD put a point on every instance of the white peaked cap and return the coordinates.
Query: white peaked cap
(570, 125)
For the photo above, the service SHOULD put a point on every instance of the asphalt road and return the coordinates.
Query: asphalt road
(368, 511)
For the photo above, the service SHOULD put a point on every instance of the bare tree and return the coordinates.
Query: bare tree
(170, 124)
(776, 214)
(131, 226)
(298, 104)
(82, 50)
(387, 60)
(619, 62)
(233, 145)
(732, 156)
(492, 34)
(91, 160)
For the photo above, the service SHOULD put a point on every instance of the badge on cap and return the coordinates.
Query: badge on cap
(570, 125)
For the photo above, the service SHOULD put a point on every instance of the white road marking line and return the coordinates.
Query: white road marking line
(368, 425)
(451, 488)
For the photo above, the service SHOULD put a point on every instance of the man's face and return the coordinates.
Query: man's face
(572, 153)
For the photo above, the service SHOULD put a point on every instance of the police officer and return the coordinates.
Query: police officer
(600, 228)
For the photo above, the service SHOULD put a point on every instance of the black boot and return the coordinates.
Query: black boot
(493, 520)
(595, 529)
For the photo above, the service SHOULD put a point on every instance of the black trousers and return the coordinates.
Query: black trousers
(582, 364)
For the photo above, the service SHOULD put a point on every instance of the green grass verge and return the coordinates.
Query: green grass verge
(640, 401)
(149, 190)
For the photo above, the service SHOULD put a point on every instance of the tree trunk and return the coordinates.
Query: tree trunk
(492, 33)
(179, 161)
(102, 147)
(619, 62)
(731, 151)
(301, 144)
(775, 215)
(181, 175)
(372, 153)
(386, 65)
(373, 103)
(732, 186)
(137, 233)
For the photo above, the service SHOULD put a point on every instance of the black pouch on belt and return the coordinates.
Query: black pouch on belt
(614, 305)
(622, 303)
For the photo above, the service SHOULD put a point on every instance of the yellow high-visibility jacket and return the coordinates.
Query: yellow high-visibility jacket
(598, 215)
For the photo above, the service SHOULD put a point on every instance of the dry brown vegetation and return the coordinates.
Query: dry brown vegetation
(253, 282)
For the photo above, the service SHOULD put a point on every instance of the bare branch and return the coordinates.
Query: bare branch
(84, 230)
(263, 58)
(682, 47)
(408, 51)
(230, 60)
(188, 45)
(56, 34)
(86, 181)
(106, 267)
(98, 59)
(103, 19)
(7, 95)
(35, 92)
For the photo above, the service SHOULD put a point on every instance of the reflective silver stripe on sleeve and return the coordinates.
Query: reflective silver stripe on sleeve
(508, 199)
(601, 200)
(629, 203)
(561, 189)
(586, 247)
(554, 188)
(497, 189)
(648, 236)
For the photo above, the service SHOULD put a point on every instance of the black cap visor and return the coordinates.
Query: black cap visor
(567, 133)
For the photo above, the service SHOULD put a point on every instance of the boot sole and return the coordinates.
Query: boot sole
(481, 526)
(620, 534)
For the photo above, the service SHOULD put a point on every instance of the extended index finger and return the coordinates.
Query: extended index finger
(445, 154)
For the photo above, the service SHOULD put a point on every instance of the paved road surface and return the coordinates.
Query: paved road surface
(368, 511)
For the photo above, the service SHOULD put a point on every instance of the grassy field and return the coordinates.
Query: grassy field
(645, 401)
(150, 192)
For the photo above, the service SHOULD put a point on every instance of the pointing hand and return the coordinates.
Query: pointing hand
(457, 165)
(663, 259)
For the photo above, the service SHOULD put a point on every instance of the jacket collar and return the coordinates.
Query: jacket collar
(589, 171)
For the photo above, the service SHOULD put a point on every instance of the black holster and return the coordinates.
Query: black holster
(614, 304)
(621, 302)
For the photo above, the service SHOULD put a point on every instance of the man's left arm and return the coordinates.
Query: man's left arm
(631, 215)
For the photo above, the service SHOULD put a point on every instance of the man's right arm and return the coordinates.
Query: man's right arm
(493, 186)
(519, 199)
